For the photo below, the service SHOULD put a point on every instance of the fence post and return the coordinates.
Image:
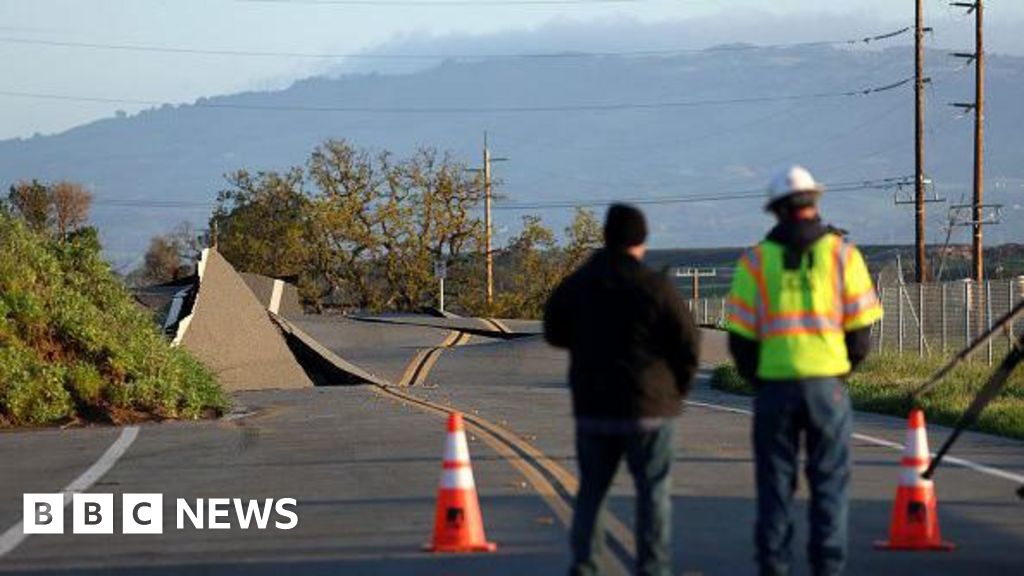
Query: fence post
(920, 320)
(967, 313)
(881, 325)
(721, 316)
(1010, 297)
(945, 344)
(988, 315)
(705, 311)
(899, 319)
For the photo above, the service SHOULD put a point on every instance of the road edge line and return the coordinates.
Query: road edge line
(961, 462)
(15, 535)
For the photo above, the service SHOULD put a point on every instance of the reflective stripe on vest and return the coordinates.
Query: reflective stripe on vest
(776, 322)
(801, 311)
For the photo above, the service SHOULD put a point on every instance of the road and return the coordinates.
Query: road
(363, 464)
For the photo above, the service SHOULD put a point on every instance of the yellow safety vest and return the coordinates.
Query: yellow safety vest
(800, 316)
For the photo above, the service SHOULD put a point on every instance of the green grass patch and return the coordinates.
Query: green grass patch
(882, 383)
(75, 348)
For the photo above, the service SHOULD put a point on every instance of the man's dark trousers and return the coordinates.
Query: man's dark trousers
(818, 409)
(648, 455)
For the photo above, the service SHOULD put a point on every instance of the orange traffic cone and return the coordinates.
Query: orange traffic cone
(915, 520)
(458, 524)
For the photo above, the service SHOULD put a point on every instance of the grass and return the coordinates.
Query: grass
(881, 384)
(75, 348)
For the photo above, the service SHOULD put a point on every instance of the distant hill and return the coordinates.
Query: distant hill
(174, 156)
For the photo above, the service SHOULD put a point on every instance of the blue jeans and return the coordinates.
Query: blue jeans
(649, 456)
(818, 409)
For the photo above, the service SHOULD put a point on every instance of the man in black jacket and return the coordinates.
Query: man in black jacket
(633, 353)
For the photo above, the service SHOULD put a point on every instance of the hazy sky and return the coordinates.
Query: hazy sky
(344, 27)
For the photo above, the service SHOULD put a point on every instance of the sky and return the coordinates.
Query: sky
(36, 58)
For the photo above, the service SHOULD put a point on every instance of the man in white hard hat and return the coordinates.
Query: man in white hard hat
(799, 317)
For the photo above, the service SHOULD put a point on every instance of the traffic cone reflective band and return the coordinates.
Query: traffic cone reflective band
(458, 524)
(915, 520)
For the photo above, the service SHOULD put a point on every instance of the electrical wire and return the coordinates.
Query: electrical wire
(848, 186)
(852, 186)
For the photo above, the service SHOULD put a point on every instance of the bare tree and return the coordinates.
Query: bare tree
(163, 261)
(188, 241)
(70, 206)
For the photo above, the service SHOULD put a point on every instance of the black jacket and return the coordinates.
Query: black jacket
(797, 236)
(633, 344)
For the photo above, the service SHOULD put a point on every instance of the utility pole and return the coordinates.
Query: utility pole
(485, 171)
(919, 187)
(487, 222)
(979, 212)
(696, 274)
(979, 141)
(978, 216)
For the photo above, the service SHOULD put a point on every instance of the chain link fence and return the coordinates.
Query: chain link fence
(925, 319)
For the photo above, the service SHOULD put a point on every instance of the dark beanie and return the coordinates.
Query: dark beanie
(624, 227)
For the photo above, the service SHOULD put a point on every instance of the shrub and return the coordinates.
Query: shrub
(74, 346)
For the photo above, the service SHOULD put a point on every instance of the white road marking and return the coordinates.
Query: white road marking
(15, 535)
(962, 462)
(275, 296)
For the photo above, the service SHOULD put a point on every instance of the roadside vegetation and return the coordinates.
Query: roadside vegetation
(74, 347)
(363, 230)
(882, 383)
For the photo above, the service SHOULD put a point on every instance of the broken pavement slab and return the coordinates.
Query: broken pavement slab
(230, 331)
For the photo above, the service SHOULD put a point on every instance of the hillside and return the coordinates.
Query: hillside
(74, 347)
(154, 169)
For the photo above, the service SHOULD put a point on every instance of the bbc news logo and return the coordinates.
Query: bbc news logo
(144, 514)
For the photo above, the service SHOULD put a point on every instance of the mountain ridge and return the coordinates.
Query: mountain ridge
(176, 155)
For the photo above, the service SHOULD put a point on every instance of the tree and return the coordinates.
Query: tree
(57, 209)
(260, 222)
(382, 222)
(534, 269)
(188, 240)
(31, 201)
(584, 235)
(70, 203)
(361, 229)
(530, 267)
(162, 262)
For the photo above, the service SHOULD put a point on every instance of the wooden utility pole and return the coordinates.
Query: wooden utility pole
(977, 208)
(696, 274)
(485, 172)
(979, 141)
(919, 183)
(487, 222)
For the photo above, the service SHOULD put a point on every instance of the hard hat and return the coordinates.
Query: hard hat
(793, 180)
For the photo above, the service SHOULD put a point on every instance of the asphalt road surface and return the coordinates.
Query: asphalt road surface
(364, 462)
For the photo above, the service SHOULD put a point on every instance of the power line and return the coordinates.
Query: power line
(847, 186)
(842, 134)
(611, 107)
(852, 186)
(566, 54)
